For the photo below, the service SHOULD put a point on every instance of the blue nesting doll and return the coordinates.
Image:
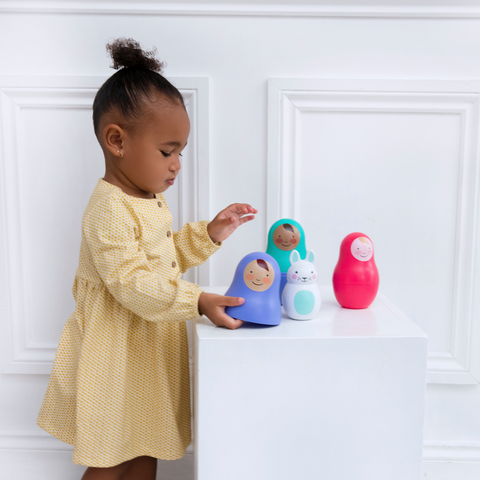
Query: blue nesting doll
(284, 236)
(257, 280)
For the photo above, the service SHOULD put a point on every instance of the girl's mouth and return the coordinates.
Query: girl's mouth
(257, 284)
(170, 182)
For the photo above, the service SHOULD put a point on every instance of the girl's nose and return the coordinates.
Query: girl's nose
(176, 166)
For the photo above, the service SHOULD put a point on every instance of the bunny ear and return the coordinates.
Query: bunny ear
(311, 256)
(294, 257)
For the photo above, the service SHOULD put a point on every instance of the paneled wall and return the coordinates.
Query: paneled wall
(347, 118)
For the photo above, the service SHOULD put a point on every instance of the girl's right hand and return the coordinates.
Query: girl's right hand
(213, 306)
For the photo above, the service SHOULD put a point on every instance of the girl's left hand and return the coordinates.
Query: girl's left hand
(225, 223)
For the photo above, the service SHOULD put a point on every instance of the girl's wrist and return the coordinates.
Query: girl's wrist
(210, 235)
(198, 304)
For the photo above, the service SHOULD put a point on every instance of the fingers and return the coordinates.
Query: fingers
(245, 219)
(236, 323)
(241, 208)
(229, 322)
(230, 301)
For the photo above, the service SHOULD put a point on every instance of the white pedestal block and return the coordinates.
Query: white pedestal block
(338, 397)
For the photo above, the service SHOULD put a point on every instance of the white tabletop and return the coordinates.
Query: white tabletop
(381, 319)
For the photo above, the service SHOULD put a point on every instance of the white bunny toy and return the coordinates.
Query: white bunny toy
(301, 296)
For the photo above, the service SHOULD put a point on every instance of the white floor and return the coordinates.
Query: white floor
(54, 465)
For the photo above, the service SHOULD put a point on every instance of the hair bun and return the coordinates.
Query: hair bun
(126, 52)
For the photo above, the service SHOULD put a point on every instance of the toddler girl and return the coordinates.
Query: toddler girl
(119, 388)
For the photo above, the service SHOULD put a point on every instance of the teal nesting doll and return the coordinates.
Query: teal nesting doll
(284, 236)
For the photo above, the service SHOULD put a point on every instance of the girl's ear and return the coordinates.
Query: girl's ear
(311, 256)
(294, 257)
(113, 137)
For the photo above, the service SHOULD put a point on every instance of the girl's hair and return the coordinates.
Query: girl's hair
(138, 82)
(288, 227)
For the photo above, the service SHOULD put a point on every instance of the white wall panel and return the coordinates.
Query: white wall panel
(399, 162)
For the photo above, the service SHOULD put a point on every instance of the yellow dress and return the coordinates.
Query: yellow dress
(119, 386)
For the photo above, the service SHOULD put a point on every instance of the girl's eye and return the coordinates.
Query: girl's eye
(166, 154)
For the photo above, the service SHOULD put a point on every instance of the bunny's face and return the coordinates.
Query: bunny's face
(302, 273)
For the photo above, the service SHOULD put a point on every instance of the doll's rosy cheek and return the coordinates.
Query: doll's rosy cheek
(294, 276)
(314, 276)
(293, 241)
(278, 240)
(266, 281)
(250, 276)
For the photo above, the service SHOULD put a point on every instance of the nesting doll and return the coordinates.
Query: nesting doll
(257, 280)
(355, 278)
(284, 236)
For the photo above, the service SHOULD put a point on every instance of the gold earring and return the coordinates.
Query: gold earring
(121, 154)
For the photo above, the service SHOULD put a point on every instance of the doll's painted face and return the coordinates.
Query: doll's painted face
(286, 237)
(362, 249)
(258, 275)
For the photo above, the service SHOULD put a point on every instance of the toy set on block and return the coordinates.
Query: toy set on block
(286, 275)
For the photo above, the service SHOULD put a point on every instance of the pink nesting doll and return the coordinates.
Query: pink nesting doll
(355, 278)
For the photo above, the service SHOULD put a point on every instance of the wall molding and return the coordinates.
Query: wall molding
(18, 440)
(287, 98)
(21, 353)
(444, 10)
(432, 451)
(451, 452)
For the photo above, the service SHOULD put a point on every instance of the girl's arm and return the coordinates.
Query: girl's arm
(194, 245)
(111, 235)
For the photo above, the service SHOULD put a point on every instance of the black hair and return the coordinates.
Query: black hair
(128, 90)
(288, 227)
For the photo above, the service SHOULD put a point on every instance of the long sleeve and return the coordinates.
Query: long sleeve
(111, 232)
(193, 245)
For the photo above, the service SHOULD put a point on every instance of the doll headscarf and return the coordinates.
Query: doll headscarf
(259, 307)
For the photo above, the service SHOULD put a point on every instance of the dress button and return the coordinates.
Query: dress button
(159, 204)
(169, 233)
(174, 264)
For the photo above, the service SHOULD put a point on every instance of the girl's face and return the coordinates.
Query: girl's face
(286, 238)
(151, 156)
(258, 275)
